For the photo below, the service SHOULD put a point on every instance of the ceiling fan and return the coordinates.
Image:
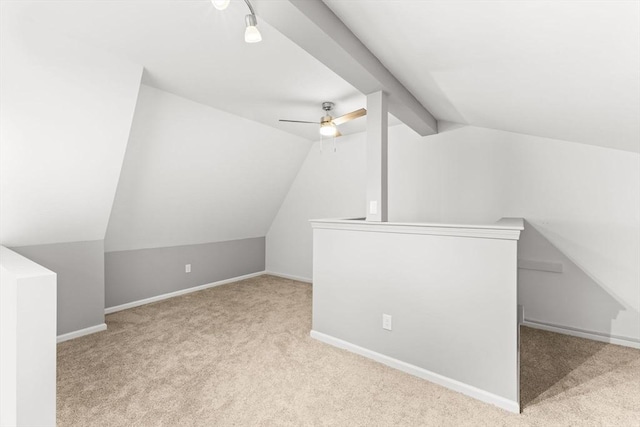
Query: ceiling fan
(328, 124)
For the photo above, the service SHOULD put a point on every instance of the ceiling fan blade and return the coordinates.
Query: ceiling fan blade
(338, 133)
(349, 116)
(298, 121)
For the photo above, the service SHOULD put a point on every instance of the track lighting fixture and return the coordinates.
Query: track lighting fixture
(251, 33)
(220, 4)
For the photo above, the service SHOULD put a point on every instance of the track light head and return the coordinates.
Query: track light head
(252, 34)
(220, 4)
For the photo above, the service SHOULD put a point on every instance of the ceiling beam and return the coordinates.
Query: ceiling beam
(315, 28)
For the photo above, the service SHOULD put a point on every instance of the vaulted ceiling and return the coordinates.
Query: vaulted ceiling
(65, 113)
(71, 74)
(565, 70)
(560, 69)
(190, 49)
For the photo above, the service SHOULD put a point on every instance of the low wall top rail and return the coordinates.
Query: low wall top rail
(505, 228)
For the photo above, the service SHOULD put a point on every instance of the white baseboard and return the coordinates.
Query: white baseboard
(471, 391)
(627, 342)
(82, 332)
(138, 303)
(289, 276)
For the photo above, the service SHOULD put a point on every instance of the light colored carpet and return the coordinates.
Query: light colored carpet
(241, 355)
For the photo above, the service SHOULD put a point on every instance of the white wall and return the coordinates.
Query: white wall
(66, 110)
(27, 342)
(194, 174)
(583, 200)
(8, 351)
(329, 185)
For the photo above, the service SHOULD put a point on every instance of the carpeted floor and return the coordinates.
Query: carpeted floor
(241, 355)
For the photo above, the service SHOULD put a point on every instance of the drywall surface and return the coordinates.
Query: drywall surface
(139, 274)
(8, 343)
(66, 111)
(80, 270)
(329, 185)
(581, 203)
(582, 206)
(27, 342)
(567, 70)
(193, 174)
(452, 299)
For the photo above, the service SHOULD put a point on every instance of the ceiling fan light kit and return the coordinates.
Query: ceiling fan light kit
(251, 33)
(328, 128)
(329, 125)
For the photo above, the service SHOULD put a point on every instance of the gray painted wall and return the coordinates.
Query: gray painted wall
(80, 270)
(582, 202)
(145, 273)
(453, 301)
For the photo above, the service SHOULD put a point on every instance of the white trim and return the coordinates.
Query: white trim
(506, 229)
(469, 390)
(596, 336)
(548, 266)
(82, 332)
(138, 303)
(289, 276)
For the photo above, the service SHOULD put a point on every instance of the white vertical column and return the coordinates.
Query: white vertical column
(8, 351)
(377, 130)
(28, 337)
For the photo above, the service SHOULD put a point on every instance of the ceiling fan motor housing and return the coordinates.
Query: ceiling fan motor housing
(328, 125)
(328, 106)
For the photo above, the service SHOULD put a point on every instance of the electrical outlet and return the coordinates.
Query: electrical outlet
(373, 207)
(187, 268)
(386, 322)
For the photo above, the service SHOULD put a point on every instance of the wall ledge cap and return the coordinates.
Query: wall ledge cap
(504, 229)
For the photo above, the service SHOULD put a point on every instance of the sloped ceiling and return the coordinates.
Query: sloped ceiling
(565, 69)
(190, 49)
(560, 69)
(65, 112)
(193, 174)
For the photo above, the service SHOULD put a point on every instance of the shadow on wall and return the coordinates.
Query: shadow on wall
(569, 299)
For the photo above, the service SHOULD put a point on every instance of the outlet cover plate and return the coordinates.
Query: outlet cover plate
(386, 322)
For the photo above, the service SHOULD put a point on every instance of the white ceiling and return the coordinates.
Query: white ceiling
(190, 49)
(65, 112)
(187, 178)
(560, 69)
(565, 69)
